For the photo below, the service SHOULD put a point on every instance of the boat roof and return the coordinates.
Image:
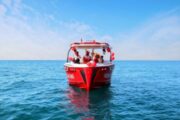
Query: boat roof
(90, 44)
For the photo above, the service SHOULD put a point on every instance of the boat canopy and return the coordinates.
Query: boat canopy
(91, 44)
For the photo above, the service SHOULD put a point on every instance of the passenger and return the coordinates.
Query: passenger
(101, 59)
(77, 58)
(94, 61)
(92, 54)
(104, 51)
(96, 58)
(87, 57)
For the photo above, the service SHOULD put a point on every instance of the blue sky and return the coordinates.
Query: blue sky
(43, 29)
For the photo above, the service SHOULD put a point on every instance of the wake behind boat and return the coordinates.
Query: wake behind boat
(92, 70)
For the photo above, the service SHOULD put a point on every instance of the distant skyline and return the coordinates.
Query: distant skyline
(43, 29)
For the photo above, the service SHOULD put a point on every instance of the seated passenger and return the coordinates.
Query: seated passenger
(77, 58)
(87, 57)
(92, 53)
(96, 58)
(104, 51)
(101, 59)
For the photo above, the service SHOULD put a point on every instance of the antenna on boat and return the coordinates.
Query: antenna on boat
(81, 40)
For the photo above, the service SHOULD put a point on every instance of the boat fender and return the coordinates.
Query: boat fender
(70, 58)
(108, 49)
(112, 56)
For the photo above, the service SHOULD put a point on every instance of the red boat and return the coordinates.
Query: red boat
(92, 70)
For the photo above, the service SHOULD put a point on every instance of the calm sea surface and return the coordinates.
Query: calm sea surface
(38, 90)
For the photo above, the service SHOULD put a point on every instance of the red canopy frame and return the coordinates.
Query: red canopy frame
(89, 45)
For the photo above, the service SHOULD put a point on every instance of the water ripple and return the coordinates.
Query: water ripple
(140, 90)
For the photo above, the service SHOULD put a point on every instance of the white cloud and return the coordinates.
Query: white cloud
(158, 38)
(24, 38)
(21, 39)
(18, 40)
(2, 10)
(14, 6)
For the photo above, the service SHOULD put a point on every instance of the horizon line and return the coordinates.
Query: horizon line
(65, 60)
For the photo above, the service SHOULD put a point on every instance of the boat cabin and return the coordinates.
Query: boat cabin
(90, 53)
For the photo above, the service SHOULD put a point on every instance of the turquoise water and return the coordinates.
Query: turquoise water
(38, 90)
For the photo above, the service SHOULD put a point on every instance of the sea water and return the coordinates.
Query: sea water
(38, 90)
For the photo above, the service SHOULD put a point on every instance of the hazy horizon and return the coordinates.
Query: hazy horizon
(65, 60)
